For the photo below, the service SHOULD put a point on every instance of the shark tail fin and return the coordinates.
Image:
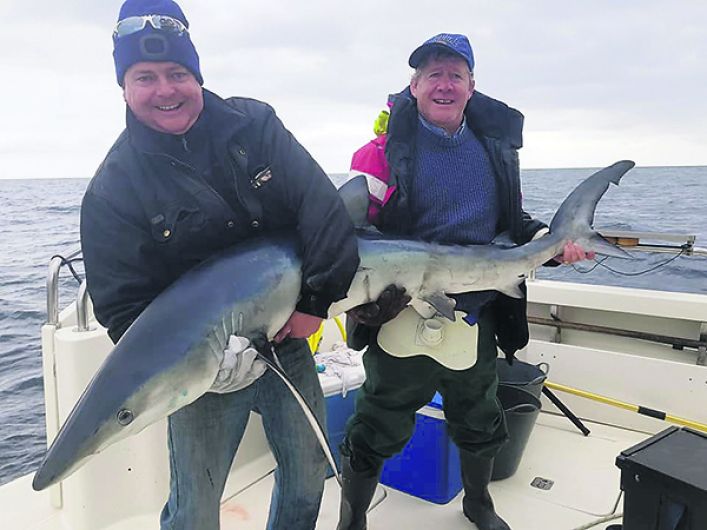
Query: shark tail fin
(574, 219)
(601, 246)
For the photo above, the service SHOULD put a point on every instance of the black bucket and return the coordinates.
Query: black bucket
(526, 376)
(521, 409)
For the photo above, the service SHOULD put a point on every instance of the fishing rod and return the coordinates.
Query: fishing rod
(646, 411)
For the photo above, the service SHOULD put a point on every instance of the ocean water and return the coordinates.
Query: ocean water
(39, 219)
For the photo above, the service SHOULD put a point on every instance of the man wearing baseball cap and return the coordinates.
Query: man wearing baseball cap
(191, 175)
(446, 171)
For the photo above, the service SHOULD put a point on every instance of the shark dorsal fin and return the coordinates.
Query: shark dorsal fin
(354, 193)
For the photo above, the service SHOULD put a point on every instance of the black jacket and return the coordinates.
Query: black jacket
(147, 216)
(499, 129)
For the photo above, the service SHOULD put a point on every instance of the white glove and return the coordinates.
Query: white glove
(239, 367)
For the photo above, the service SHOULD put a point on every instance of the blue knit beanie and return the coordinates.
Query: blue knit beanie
(150, 44)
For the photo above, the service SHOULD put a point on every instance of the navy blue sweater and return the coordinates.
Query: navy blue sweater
(453, 196)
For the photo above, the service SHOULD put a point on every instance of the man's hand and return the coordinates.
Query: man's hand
(391, 302)
(573, 253)
(298, 326)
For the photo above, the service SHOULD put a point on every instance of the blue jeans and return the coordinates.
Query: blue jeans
(204, 437)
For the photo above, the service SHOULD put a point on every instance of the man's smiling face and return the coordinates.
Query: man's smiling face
(165, 96)
(442, 87)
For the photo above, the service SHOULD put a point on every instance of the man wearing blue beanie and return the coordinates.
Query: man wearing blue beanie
(191, 175)
(136, 39)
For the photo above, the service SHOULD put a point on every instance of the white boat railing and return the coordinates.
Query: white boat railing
(55, 265)
(82, 309)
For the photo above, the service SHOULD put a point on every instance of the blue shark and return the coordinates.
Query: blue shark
(170, 355)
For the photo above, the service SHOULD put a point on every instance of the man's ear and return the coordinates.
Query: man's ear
(413, 88)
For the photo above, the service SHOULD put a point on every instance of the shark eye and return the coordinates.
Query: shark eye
(125, 417)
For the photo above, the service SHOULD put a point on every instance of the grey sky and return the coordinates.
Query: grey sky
(597, 81)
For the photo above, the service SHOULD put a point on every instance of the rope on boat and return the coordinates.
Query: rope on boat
(69, 263)
(596, 522)
(600, 263)
(615, 514)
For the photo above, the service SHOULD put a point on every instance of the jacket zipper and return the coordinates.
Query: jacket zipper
(191, 173)
(234, 174)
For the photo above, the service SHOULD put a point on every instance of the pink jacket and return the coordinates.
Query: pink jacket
(370, 161)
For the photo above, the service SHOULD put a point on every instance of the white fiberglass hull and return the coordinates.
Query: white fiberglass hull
(125, 486)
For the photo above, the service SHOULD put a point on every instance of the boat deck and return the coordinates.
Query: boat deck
(585, 489)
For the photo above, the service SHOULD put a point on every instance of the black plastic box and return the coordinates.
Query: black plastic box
(664, 480)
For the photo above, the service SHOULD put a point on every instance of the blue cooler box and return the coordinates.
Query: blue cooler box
(428, 467)
(340, 398)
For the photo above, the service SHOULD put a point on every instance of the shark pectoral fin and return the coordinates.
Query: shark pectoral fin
(512, 290)
(442, 303)
(601, 246)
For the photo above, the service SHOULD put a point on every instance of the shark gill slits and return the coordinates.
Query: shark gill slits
(125, 417)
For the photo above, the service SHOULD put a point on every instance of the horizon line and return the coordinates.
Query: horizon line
(345, 172)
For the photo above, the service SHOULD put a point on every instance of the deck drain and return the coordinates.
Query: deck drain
(542, 483)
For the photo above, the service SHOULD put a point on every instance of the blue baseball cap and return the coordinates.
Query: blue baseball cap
(451, 42)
